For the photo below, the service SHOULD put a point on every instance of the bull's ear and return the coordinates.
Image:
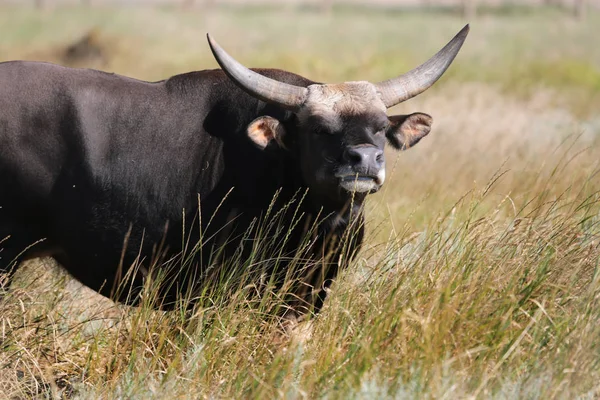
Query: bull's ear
(406, 130)
(264, 130)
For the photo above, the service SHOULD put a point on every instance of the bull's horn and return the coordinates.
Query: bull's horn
(412, 83)
(288, 96)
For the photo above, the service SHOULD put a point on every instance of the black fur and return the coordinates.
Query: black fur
(90, 161)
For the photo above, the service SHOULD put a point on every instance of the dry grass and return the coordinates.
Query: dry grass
(481, 274)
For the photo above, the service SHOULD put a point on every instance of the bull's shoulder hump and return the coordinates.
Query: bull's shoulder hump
(213, 76)
(284, 76)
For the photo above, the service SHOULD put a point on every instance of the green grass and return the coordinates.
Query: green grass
(480, 277)
(360, 44)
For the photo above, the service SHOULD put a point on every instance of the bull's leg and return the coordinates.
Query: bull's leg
(18, 243)
(309, 292)
(9, 259)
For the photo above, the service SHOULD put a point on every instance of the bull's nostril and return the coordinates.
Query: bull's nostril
(352, 156)
(363, 155)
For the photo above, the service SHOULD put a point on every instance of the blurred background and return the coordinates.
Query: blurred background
(578, 7)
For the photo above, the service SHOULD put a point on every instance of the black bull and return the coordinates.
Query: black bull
(99, 170)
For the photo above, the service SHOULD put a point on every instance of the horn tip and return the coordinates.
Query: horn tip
(212, 42)
(462, 34)
(214, 47)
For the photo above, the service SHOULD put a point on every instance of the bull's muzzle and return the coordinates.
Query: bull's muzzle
(365, 169)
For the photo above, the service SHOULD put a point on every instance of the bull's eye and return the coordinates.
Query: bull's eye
(382, 130)
(321, 131)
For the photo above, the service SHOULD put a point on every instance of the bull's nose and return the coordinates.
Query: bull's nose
(368, 157)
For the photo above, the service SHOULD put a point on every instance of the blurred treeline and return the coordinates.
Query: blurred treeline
(468, 8)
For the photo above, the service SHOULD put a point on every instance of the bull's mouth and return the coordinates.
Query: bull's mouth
(360, 183)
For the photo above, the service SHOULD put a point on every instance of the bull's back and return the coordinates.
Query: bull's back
(54, 118)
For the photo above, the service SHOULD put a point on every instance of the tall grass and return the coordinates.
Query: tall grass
(480, 276)
(486, 300)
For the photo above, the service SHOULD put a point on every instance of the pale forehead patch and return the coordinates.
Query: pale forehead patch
(331, 101)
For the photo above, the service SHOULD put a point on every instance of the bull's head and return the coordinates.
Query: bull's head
(341, 129)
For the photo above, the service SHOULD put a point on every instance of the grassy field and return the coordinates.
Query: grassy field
(480, 277)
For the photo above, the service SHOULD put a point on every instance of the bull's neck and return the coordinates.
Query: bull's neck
(337, 212)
